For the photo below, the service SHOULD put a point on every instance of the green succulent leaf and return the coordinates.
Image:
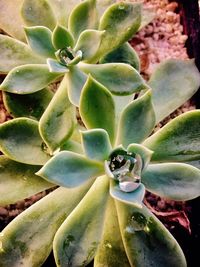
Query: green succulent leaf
(73, 146)
(28, 239)
(137, 121)
(88, 43)
(120, 103)
(57, 123)
(111, 251)
(14, 53)
(97, 107)
(10, 19)
(18, 181)
(147, 242)
(62, 38)
(148, 14)
(135, 197)
(38, 13)
(31, 106)
(119, 78)
(39, 39)
(75, 82)
(178, 140)
(56, 67)
(120, 22)
(96, 144)
(177, 181)
(173, 83)
(28, 79)
(75, 244)
(21, 142)
(144, 153)
(123, 54)
(102, 5)
(69, 169)
(83, 16)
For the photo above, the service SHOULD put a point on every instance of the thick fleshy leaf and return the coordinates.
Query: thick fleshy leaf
(57, 123)
(28, 239)
(119, 78)
(69, 169)
(31, 106)
(123, 54)
(147, 242)
(173, 83)
(38, 13)
(136, 197)
(96, 144)
(20, 141)
(18, 181)
(120, 103)
(148, 14)
(73, 146)
(97, 107)
(137, 121)
(178, 140)
(111, 251)
(62, 37)
(10, 19)
(75, 82)
(144, 153)
(120, 22)
(14, 53)
(75, 244)
(56, 67)
(88, 43)
(102, 5)
(28, 79)
(177, 181)
(83, 16)
(39, 39)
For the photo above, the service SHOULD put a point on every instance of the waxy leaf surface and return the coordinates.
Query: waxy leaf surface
(75, 244)
(28, 79)
(62, 38)
(147, 242)
(27, 240)
(97, 107)
(18, 181)
(176, 181)
(137, 121)
(69, 169)
(20, 141)
(179, 140)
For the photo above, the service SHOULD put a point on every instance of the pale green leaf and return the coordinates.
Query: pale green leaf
(83, 16)
(148, 14)
(75, 82)
(176, 181)
(20, 141)
(97, 107)
(173, 83)
(75, 243)
(111, 251)
(88, 43)
(28, 239)
(14, 53)
(28, 79)
(18, 181)
(69, 169)
(57, 123)
(31, 106)
(147, 242)
(96, 144)
(39, 39)
(178, 140)
(137, 121)
(62, 38)
(38, 13)
(123, 54)
(73, 146)
(119, 78)
(120, 22)
(56, 67)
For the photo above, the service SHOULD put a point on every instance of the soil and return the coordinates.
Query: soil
(163, 38)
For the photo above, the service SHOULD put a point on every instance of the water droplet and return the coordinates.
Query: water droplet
(107, 244)
(67, 56)
(30, 8)
(138, 221)
(121, 6)
(128, 186)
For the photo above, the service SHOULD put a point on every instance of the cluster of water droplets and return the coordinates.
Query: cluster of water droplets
(67, 56)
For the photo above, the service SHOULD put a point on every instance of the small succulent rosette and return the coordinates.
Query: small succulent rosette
(98, 212)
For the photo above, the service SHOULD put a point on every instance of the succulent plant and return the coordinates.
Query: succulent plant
(81, 220)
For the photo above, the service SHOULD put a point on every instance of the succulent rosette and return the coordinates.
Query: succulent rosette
(98, 212)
